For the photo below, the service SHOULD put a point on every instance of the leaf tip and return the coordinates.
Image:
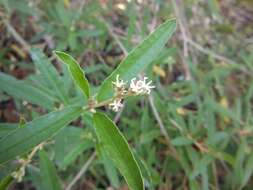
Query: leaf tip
(58, 53)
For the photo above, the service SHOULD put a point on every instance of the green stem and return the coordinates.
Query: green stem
(6, 182)
(106, 102)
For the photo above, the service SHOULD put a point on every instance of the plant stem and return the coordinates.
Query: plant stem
(16, 35)
(82, 171)
(6, 182)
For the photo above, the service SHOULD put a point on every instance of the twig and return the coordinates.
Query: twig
(16, 35)
(215, 176)
(77, 15)
(187, 39)
(82, 171)
(209, 52)
(183, 30)
(116, 38)
(20, 172)
(181, 26)
(162, 127)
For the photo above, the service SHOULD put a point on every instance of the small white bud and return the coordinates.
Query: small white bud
(116, 105)
(119, 83)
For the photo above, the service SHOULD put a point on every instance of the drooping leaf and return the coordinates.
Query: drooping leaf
(76, 72)
(117, 149)
(24, 91)
(35, 132)
(139, 57)
(49, 177)
(51, 78)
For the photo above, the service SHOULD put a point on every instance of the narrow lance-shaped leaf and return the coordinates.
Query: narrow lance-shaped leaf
(35, 176)
(23, 91)
(117, 149)
(48, 174)
(7, 128)
(35, 132)
(110, 169)
(139, 57)
(247, 171)
(76, 72)
(51, 78)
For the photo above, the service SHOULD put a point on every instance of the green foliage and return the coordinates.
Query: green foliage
(76, 72)
(139, 57)
(21, 140)
(6, 128)
(22, 90)
(48, 173)
(110, 170)
(49, 74)
(70, 142)
(203, 94)
(117, 148)
(5, 182)
(35, 132)
(181, 141)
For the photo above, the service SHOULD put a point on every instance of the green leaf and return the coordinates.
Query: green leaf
(247, 171)
(50, 75)
(110, 169)
(117, 149)
(6, 128)
(139, 57)
(33, 174)
(222, 155)
(76, 72)
(23, 91)
(200, 165)
(5, 182)
(75, 152)
(49, 177)
(181, 141)
(23, 139)
(69, 143)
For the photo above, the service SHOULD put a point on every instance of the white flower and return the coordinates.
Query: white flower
(119, 83)
(140, 86)
(19, 174)
(146, 87)
(116, 105)
(136, 86)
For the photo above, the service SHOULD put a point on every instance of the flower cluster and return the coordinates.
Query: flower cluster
(141, 87)
(116, 105)
(137, 87)
(19, 174)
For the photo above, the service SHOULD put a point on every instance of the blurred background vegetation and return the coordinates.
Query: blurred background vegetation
(196, 130)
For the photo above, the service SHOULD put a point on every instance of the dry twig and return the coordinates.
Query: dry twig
(82, 171)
